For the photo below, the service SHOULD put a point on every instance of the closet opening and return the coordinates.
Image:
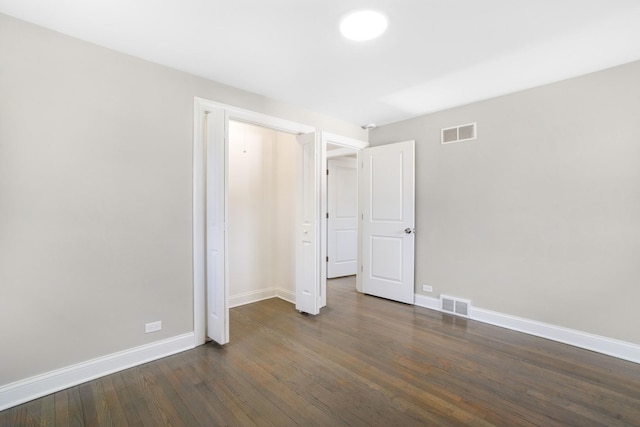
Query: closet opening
(261, 213)
(273, 243)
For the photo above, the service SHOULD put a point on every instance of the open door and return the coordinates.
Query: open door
(215, 159)
(308, 280)
(387, 187)
(342, 214)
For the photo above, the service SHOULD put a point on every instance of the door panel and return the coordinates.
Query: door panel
(217, 306)
(308, 218)
(387, 259)
(342, 249)
(387, 187)
(388, 221)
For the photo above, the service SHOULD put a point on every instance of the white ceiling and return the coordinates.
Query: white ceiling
(435, 54)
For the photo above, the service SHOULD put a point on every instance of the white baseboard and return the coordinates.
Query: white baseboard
(609, 346)
(250, 297)
(262, 294)
(287, 295)
(41, 385)
(427, 302)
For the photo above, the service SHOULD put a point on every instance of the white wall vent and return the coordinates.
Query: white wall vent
(459, 133)
(452, 305)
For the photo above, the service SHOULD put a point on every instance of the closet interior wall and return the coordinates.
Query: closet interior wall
(260, 214)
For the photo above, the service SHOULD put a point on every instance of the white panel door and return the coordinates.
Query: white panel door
(217, 306)
(342, 208)
(308, 225)
(388, 221)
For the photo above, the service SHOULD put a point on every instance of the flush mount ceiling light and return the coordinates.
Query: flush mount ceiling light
(363, 25)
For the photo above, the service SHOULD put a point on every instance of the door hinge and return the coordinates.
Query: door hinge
(327, 171)
(327, 259)
(327, 215)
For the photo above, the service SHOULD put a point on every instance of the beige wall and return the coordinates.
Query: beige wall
(540, 217)
(261, 209)
(285, 215)
(96, 197)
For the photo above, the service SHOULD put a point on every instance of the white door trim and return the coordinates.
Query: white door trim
(202, 105)
(339, 152)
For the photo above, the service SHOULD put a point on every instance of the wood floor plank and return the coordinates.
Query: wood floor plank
(75, 408)
(47, 413)
(136, 399)
(364, 361)
(87, 399)
(110, 409)
(61, 402)
(214, 388)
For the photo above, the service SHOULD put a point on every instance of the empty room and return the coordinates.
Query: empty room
(319, 213)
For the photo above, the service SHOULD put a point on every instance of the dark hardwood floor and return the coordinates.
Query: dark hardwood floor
(364, 361)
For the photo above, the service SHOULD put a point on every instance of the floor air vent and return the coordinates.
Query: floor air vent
(455, 306)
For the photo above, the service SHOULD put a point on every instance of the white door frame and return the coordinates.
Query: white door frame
(351, 144)
(201, 106)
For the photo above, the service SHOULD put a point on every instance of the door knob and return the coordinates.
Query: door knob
(409, 230)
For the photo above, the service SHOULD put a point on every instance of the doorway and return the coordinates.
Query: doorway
(342, 212)
(336, 146)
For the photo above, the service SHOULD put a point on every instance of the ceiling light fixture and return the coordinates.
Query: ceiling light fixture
(363, 25)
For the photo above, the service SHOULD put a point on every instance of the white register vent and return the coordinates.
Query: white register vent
(459, 133)
(452, 305)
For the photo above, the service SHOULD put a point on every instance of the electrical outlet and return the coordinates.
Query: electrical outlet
(152, 327)
(427, 288)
